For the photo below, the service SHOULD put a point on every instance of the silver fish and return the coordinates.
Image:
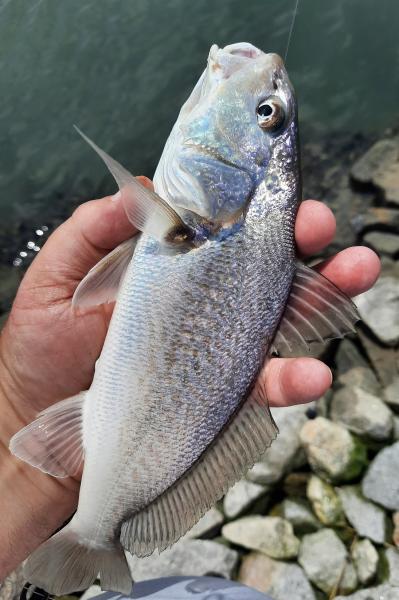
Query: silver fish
(176, 412)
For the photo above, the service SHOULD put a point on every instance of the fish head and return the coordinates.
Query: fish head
(221, 145)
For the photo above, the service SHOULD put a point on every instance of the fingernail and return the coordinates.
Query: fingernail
(116, 197)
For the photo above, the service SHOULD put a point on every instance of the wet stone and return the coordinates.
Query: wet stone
(362, 412)
(272, 535)
(333, 453)
(325, 501)
(381, 482)
(283, 581)
(241, 497)
(325, 561)
(367, 518)
(378, 308)
(196, 557)
(365, 560)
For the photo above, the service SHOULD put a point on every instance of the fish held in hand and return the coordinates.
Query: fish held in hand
(176, 412)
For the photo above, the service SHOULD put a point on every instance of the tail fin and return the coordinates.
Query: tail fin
(65, 564)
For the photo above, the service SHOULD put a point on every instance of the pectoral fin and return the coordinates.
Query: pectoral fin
(102, 282)
(145, 209)
(316, 311)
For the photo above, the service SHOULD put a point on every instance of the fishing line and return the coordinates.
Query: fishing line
(291, 29)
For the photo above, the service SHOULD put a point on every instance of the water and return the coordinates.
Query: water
(121, 69)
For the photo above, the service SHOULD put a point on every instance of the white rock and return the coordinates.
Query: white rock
(367, 518)
(380, 592)
(92, 591)
(381, 482)
(361, 412)
(391, 556)
(186, 557)
(378, 308)
(365, 559)
(391, 393)
(209, 523)
(241, 496)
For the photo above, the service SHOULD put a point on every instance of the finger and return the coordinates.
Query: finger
(314, 227)
(95, 228)
(353, 270)
(295, 380)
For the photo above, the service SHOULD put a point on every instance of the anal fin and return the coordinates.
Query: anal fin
(53, 441)
(239, 445)
(316, 311)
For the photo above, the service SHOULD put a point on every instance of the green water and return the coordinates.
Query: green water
(121, 69)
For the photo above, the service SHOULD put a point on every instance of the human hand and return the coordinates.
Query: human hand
(48, 351)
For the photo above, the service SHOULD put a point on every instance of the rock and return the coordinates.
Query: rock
(374, 217)
(362, 412)
(368, 519)
(348, 357)
(395, 535)
(380, 592)
(365, 560)
(207, 525)
(390, 566)
(375, 160)
(93, 590)
(391, 393)
(381, 482)
(299, 513)
(382, 241)
(325, 502)
(272, 535)
(241, 496)
(361, 377)
(385, 360)
(324, 558)
(378, 308)
(283, 581)
(12, 585)
(285, 450)
(396, 428)
(295, 484)
(186, 557)
(332, 451)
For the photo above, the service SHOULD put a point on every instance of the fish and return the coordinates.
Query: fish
(211, 286)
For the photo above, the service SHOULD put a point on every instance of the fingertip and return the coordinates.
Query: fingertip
(315, 227)
(296, 380)
(354, 270)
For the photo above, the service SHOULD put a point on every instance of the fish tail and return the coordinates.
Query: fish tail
(68, 563)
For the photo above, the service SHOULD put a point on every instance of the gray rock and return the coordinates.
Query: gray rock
(391, 560)
(325, 502)
(378, 308)
(285, 450)
(395, 431)
(324, 558)
(283, 581)
(332, 451)
(367, 518)
(299, 513)
(381, 482)
(241, 496)
(91, 592)
(375, 160)
(348, 357)
(272, 535)
(208, 524)
(380, 592)
(384, 360)
(365, 560)
(361, 412)
(391, 393)
(382, 241)
(186, 557)
(360, 377)
(374, 217)
(12, 585)
(395, 534)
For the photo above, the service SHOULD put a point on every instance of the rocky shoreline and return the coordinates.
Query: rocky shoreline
(318, 516)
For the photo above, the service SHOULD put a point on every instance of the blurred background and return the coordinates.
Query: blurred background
(120, 70)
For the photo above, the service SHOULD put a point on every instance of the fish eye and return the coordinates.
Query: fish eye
(271, 114)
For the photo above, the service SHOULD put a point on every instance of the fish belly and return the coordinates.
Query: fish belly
(187, 338)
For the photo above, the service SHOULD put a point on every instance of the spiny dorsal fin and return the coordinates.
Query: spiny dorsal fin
(145, 209)
(102, 282)
(53, 441)
(242, 442)
(316, 311)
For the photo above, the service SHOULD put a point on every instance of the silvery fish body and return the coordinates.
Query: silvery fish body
(174, 415)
